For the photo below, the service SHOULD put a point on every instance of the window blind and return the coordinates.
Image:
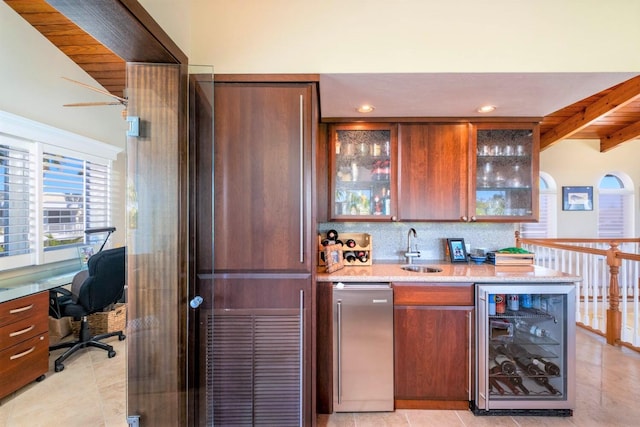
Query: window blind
(16, 201)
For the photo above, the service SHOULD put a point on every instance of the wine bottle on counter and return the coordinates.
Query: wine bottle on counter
(363, 256)
(349, 256)
(351, 243)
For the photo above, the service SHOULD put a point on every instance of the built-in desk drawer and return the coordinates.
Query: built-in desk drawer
(23, 363)
(23, 308)
(13, 333)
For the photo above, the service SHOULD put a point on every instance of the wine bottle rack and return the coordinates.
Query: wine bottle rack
(363, 243)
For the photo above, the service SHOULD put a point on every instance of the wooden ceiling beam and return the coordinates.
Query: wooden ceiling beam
(619, 97)
(623, 135)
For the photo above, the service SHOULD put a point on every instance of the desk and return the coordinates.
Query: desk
(18, 288)
(24, 330)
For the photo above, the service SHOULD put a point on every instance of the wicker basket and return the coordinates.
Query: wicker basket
(104, 321)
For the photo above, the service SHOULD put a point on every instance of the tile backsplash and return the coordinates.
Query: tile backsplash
(390, 239)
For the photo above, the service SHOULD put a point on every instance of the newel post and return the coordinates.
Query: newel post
(614, 317)
(518, 242)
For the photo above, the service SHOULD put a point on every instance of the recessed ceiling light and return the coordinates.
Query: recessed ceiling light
(486, 109)
(365, 108)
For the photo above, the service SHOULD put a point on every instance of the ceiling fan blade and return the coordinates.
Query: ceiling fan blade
(91, 104)
(95, 89)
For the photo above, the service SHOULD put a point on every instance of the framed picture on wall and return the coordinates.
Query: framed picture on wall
(577, 198)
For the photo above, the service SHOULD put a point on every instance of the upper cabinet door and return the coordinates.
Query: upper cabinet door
(362, 171)
(433, 172)
(506, 172)
(262, 176)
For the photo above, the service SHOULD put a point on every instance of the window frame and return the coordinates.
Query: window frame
(39, 138)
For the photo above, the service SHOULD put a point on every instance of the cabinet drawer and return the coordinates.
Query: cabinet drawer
(23, 308)
(13, 333)
(430, 294)
(23, 363)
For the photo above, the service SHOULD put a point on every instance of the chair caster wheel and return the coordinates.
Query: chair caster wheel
(111, 354)
(59, 368)
(41, 378)
(121, 337)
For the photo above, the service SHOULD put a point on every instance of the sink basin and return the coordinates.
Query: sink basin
(421, 269)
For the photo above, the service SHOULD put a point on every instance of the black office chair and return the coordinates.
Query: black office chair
(93, 290)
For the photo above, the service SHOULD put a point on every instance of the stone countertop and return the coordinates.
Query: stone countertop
(451, 272)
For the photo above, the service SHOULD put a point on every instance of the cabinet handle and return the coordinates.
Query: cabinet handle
(24, 353)
(22, 331)
(469, 352)
(339, 351)
(21, 309)
(301, 179)
(301, 361)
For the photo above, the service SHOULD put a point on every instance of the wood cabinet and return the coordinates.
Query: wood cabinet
(255, 253)
(433, 340)
(24, 341)
(433, 172)
(362, 171)
(445, 172)
(262, 175)
(506, 172)
(261, 344)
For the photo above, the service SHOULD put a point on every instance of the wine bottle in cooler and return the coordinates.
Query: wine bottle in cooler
(499, 355)
(535, 373)
(549, 367)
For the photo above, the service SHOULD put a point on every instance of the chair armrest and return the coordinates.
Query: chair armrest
(58, 297)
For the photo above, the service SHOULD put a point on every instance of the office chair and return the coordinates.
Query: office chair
(92, 290)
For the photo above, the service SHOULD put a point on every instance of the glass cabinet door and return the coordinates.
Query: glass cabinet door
(362, 171)
(506, 171)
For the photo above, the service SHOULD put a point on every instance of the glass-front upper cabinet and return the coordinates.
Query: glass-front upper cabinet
(507, 170)
(363, 171)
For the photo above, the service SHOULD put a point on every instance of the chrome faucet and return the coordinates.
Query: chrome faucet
(410, 255)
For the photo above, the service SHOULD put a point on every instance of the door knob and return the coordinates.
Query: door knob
(196, 301)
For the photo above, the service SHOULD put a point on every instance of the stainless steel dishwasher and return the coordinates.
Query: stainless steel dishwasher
(362, 347)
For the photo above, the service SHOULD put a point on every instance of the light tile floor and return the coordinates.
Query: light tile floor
(91, 391)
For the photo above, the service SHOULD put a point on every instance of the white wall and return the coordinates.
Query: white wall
(31, 86)
(300, 36)
(580, 163)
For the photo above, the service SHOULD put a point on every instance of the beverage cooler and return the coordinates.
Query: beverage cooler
(525, 349)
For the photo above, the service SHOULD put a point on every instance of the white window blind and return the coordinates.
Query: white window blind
(16, 201)
(615, 206)
(75, 198)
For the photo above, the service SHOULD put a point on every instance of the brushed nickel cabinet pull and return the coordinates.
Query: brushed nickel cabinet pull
(21, 309)
(22, 331)
(301, 179)
(24, 353)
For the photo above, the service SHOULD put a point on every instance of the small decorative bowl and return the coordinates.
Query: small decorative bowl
(478, 259)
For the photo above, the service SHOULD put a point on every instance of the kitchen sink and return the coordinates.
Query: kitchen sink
(421, 269)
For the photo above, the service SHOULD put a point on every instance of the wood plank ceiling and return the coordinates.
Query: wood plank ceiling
(611, 116)
(98, 61)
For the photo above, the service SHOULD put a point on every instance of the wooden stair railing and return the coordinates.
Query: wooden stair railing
(614, 259)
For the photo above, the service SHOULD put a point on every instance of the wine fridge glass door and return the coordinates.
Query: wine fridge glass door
(526, 346)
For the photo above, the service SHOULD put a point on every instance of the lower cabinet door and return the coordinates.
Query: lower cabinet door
(432, 356)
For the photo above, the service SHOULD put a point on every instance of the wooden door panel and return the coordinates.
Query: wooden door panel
(431, 353)
(433, 172)
(259, 223)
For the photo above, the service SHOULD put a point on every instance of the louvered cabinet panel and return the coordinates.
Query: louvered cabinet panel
(254, 373)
